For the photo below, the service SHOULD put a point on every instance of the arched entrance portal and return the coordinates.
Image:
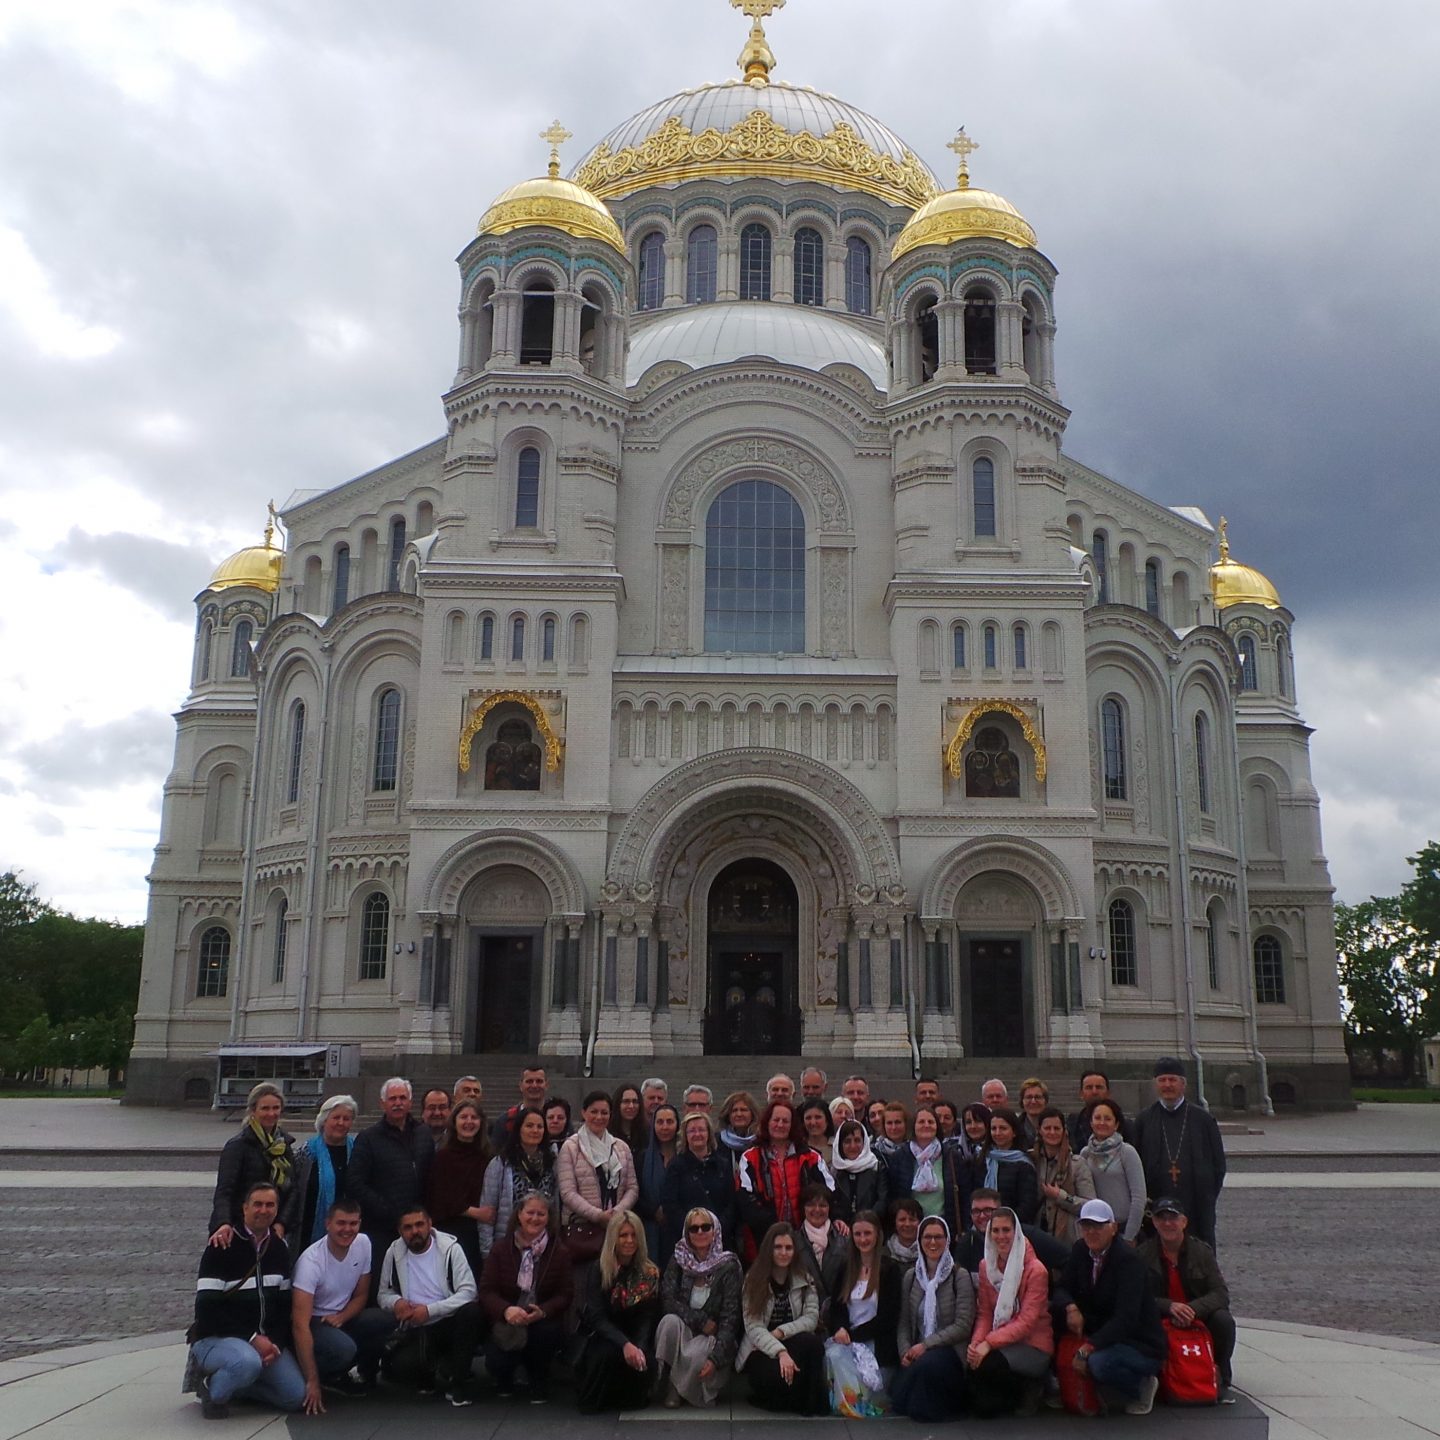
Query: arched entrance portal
(753, 931)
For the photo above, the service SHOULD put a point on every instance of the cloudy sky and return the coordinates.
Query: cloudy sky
(226, 243)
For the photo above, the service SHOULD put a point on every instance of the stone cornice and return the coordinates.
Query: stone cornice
(383, 478)
(968, 586)
(533, 389)
(987, 402)
(465, 575)
(1194, 535)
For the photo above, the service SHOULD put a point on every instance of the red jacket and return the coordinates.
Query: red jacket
(771, 1192)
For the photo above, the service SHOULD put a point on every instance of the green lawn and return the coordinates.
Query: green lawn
(61, 1094)
(1373, 1096)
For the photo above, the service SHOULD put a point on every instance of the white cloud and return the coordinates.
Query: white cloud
(28, 294)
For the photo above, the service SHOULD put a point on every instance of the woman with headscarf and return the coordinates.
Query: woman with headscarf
(1115, 1166)
(738, 1114)
(618, 1317)
(1065, 1179)
(1003, 1167)
(861, 1181)
(261, 1151)
(457, 1178)
(862, 1352)
(700, 1175)
(782, 1353)
(320, 1166)
(937, 1315)
(841, 1110)
(525, 1166)
(653, 1164)
(1013, 1341)
(699, 1332)
(597, 1177)
(774, 1171)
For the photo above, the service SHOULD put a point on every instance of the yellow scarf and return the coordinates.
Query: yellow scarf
(278, 1151)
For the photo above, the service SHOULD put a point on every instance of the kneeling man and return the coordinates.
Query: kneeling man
(1105, 1289)
(426, 1283)
(239, 1343)
(333, 1329)
(1186, 1281)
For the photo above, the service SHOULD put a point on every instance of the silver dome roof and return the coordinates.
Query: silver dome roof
(792, 334)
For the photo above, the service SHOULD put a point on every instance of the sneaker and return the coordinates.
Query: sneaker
(210, 1409)
(349, 1383)
(539, 1394)
(1145, 1401)
(459, 1396)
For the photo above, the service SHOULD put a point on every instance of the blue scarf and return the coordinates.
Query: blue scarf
(995, 1159)
(324, 1181)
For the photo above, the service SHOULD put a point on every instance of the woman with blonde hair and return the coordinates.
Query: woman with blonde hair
(700, 1330)
(618, 1318)
(261, 1151)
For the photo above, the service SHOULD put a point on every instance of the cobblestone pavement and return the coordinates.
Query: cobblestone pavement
(83, 1265)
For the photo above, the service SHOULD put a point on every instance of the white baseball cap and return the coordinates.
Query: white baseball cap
(1098, 1212)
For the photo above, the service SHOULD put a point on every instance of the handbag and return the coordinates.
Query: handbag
(1077, 1392)
(583, 1238)
(1189, 1375)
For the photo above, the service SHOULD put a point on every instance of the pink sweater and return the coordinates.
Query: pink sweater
(1030, 1325)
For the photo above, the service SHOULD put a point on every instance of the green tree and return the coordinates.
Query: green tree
(1421, 894)
(1383, 963)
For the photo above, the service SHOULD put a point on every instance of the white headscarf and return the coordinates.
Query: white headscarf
(929, 1309)
(867, 1159)
(1007, 1286)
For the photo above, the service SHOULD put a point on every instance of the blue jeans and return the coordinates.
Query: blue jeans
(235, 1372)
(361, 1342)
(1123, 1368)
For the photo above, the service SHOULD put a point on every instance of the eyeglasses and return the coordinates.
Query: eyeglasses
(978, 1214)
(704, 1229)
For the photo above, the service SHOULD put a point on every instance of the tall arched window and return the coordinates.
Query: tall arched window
(1284, 674)
(537, 321)
(1112, 747)
(486, 648)
(1245, 646)
(1100, 553)
(979, 331)
(340, 579)
(992, 648)
(982, 482)
(1212, 946)
(755, 570)
(240, 649)
(397, 553)
(207, 646)
(212, 976)
(527, 489)
(859, 265)
(809, 267)
(1202, 760)
(517, 638)
(755, 247)
(282, 940)
(927, 338)
(547, 640)
(1019, 639)
(1152, 588)
(374, 936)
(652, 271)
(701, 265)
(297, 752)
(386, 769)
(957, 645)
(1124, 958)
(1269, 971)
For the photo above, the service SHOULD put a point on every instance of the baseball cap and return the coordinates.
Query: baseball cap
(1098, 1212)
(1167, 1205)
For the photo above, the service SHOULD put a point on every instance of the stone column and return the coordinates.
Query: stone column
(1010, 340)
(782, 270)
(949, 316)
(1045, 330)
(565, 343)
(466, 362)
(835, 277)
(940, 1042)
(880, 1021)
(505, 348)
(674, 274)
(727, 279)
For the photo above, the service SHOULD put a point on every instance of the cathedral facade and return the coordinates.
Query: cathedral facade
(747, 670)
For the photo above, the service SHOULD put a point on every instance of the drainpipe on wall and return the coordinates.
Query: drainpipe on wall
(242, 930)
(595, 995)
(1187, 919)
(912, 928)
(312, 851)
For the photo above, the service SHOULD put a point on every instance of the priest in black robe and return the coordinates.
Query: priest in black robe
(1181, 1150)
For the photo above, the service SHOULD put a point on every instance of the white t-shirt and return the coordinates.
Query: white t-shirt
(332, 1282)
(425, 1276)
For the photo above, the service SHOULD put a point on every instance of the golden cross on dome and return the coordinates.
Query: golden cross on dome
(274, 516)
(964, 147)
(555, 137)
(758, 9)
(757, 59)
(1224, 541)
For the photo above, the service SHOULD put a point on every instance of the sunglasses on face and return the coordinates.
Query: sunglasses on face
(704, 1229)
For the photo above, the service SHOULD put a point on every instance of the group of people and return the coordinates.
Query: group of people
(848, 1254)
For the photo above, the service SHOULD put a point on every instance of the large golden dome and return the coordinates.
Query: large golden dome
(1232, 583)
(964, 213)
(257, 566)
(560, 204)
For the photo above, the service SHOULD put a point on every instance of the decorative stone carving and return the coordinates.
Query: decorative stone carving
(674, 598)
(778, 455)
(1011, 854)
(835, 600)
(468, 857)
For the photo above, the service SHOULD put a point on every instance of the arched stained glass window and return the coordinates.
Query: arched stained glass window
(755, 247)
(1245, 645)
(207, 646)
(212, 977)
(992, 648)
(809, 267)
(1124, 960)
(859, 266)
(1112, 745)
(701, 265)
(957, 645)
(487, 637)
(374, 936)
(1212, 947)
(517, 638)
(1020, 640)
(240, 650)
(387, 740)
(547, 640)
(652, 271)
(755, 570)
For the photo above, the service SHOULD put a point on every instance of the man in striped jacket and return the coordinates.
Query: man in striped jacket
(240, 1341)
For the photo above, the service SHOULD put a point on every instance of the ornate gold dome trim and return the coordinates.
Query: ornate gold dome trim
(558, 213)
(956, 746)
(961, 222)
(553, 743)
(757, 146)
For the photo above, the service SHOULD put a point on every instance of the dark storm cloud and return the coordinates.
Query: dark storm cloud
(81, 759)
(163, 574)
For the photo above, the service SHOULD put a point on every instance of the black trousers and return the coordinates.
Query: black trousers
(1221, 1325)
(603, 1381)
(543, 1342)
(440, 1353)
(994, 1388)
(807, 1394)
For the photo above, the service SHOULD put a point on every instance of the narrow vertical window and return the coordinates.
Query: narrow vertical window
(207, 646)
(1124, 961)
(1112, 746)
(386, 768)
(701, 265)
(1202, 761)
(1282, 667)
(809, 267)
(282, 939)
(547, 640)
(240, 650)
(374, 936)
(397, 553)
(1212, 948)
(297, 752)
(982, 480)
(652, 271)
(537, 322)
(1152, 588)
(487, 637)
(1269, 971)
(527, 489)
(859, 298)
(1245, 645)
(1100, 553)
(517, 638)
(957, 646)
(980, 332)
(1019, 642)
(212, 977)
(992, 648)
(755, 263)
(340, 581)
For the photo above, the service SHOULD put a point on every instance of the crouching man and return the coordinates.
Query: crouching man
(426, 1283)
(338, 1342)
(239, 1343)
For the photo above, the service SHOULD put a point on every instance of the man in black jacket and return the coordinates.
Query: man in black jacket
(1181, 1150)
(1186, 1281)
(968, 1248)
(1105, 1291)
(240, 1341)
(388, 1169)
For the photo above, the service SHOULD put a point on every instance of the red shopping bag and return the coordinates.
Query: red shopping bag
(1077, 1392)
(1189, 1375)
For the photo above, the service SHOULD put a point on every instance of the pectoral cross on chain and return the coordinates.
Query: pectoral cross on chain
(1174, 1173)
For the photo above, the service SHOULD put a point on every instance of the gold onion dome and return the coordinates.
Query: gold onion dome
(257, 566)
(1232, 583)
(554, 202)
(964, 213)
